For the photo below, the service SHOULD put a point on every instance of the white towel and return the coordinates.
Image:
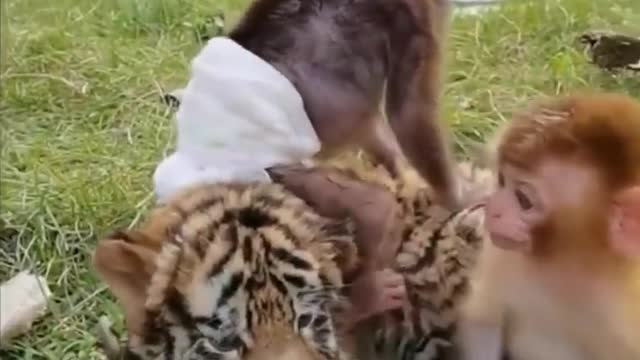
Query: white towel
(238, 116)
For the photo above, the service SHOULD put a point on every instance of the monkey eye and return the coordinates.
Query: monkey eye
(523, 200)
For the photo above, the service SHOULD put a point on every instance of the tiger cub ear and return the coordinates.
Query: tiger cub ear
(125, 260)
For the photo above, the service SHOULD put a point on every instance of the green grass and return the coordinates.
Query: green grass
(83, 126)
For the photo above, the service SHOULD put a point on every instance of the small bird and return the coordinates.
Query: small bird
(612, 51)
(173, 98)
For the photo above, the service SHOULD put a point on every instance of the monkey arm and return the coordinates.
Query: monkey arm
(335, 194)
(480, 342)
(480, 330)
(373, 287)
(412, 107)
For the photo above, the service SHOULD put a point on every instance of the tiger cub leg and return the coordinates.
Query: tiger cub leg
(375, 288)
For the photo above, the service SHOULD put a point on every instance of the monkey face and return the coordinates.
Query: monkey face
(513, 210)
(526, 200)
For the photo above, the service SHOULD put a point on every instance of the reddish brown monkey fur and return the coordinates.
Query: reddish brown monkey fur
(560, 278)
(342, 55)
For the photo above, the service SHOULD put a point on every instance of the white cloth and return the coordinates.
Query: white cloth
(238, 116)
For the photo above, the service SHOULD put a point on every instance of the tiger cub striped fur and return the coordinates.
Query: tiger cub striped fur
(232, 262)
(237, 266)
(438, 250)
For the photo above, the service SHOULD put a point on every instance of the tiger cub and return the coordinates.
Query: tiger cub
(437, 251)
(252, 272)
(230, 272)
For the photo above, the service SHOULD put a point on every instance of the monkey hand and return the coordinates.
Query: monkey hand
(377, 292)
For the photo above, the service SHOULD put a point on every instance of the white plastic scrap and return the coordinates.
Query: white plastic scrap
(22, 300)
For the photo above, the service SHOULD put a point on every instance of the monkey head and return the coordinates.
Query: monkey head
(569, 178)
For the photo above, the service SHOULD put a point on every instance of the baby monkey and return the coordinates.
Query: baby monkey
(560, 277)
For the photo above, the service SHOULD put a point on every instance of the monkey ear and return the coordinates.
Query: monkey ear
(624, 223)
(126, 265)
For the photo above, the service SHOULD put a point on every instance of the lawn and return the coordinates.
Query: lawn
(83, 126)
